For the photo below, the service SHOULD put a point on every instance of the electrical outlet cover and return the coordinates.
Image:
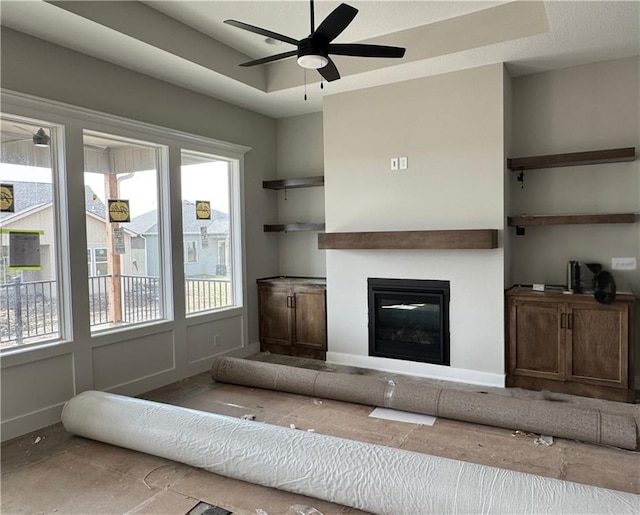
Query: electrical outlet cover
(628, 263)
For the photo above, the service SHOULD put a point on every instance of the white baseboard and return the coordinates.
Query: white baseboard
(243, 352)
(157, 380)
(29, 422)
(413, 368)
(24, 424)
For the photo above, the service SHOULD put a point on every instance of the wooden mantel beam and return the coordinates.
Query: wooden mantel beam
(408, 240)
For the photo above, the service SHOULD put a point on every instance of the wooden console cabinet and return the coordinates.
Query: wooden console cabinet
(293, 316)
(570, 343)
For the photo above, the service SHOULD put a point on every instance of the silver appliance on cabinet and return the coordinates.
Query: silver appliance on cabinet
(581, 275)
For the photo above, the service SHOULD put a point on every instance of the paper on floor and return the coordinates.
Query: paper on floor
(403, 416)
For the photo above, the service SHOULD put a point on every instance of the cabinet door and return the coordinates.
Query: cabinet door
(275, 303)
(310, 319)
(597, 344)
(536, 339)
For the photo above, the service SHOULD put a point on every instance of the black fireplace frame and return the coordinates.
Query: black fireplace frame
(408, 289)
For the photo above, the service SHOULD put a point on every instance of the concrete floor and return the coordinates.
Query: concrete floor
(50, 471)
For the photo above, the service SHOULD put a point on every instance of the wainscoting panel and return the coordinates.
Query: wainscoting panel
(123, 362)
(211, 338)
(36, 386)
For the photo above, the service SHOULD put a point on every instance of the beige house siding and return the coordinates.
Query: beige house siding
(42, 220)
(38, 220)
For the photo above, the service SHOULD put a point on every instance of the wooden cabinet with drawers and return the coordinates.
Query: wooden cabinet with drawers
(293, 316)
(570, 343)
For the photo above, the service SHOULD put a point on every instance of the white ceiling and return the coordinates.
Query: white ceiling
(187, 44)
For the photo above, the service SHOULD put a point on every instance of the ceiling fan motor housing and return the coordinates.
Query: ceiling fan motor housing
(312, 53)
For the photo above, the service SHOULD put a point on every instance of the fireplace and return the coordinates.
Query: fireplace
(409, 320)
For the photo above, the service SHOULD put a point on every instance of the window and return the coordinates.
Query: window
(100, 264)
(30, 240)
(122, 200)
(208, 232)
(221, 267)
(124, 233)
(191, 248)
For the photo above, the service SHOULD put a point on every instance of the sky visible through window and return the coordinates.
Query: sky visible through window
(9, 172)
(205, 181)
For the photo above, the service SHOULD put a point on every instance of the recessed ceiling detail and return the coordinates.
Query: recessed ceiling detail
(187, 44)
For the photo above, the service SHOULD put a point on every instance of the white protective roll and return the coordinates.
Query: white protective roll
(369, 477)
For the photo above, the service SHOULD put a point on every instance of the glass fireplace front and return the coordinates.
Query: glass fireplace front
(409, 320)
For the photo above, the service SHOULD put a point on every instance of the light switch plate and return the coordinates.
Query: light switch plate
(394, 163)
(404, 163)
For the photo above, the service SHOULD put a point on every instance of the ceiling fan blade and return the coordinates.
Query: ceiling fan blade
(262, 32)
(13, 140)
(20, 127)
(329, 72)
(270, 59)
(358, 50)
(335, 23)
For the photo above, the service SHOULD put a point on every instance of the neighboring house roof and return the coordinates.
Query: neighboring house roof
(93, 204)
(32, 195)
(16, 217)
(29, 195)
(144, 224)
(147, 223)
(102, 220)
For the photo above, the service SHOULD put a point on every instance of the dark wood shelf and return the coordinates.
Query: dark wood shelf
(615, 155)
(296, 182)
(448, 239)
(524, 220)
(293, 227)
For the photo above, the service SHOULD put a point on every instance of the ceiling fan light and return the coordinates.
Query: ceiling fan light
(41, 139)
(313, 61)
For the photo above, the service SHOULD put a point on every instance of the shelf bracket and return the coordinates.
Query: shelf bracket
(519, 230)
(521, 177)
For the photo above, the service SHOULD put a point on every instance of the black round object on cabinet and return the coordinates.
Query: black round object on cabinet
(604, 287)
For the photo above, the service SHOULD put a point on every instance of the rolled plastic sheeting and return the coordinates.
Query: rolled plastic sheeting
(537, 416)
(365, 476)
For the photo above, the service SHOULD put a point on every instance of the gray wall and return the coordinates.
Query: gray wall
(300, 154)
(35, 67)
(451, 128)
(583, 108)
(507, 235)
(455, 129)
(35, 384)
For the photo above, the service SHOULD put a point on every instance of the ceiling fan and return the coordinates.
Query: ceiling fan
(313, 51)
(39, 138)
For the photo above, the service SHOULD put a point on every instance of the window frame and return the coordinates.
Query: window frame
(186, 252)
(161, 153)
(71, 120)
(236, 244)
(59, 209)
